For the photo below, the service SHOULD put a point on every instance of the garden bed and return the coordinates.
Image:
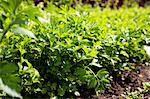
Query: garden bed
(130, 82)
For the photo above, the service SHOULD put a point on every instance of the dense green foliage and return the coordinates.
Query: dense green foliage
(70, 50)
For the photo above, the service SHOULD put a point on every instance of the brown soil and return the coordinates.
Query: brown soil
(129, 81)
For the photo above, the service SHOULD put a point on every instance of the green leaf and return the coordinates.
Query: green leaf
(20, 20)
(10, 83)
(14, 4)
(94, 52)
(104, 80)
(13, 81)
(147, 49)
(61, 91)
(7, 68)
(32, 13)
(5, 6)
(124, 53)
(93, 82)
(24, 31)
(42, 20)
(94, 63)
(10, 6)
(80, 71)
(101, 73)
(5, 88)
(146, 85)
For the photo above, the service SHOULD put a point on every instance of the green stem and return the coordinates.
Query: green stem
(93, 74)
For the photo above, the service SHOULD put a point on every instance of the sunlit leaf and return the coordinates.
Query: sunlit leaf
(94, 63)
(147, 49)
(124, 53)
(104, 80)
(102, 73)
(24, 31)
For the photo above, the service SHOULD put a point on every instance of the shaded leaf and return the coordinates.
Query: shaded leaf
(8, 90)
(7, 68)
(92, 83)
(12, 81)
